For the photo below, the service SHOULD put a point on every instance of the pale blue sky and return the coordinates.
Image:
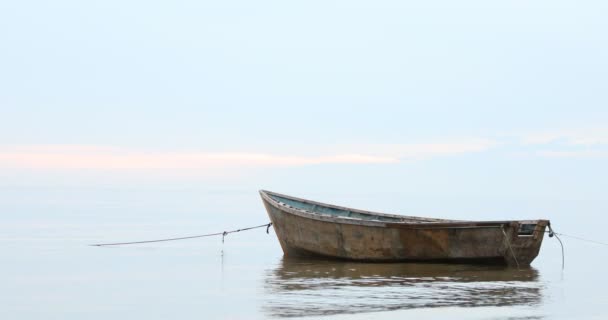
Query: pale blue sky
(476, 97)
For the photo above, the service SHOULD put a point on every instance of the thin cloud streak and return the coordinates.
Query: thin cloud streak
(574, 154)
(571, 143)
(172, 160)
(579, 137)
(100, 157)
(420, 151)
(439, 149)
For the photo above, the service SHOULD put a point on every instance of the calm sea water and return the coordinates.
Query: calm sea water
(48, 271)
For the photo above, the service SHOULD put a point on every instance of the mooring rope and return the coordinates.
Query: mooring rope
(579, 238)
(223, 234)
(553, 233)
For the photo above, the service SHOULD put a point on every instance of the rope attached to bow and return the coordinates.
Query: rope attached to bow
(223, 234)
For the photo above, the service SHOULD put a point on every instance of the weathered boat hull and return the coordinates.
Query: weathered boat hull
(306, 233)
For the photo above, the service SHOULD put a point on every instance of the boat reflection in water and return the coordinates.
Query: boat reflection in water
(298, 287)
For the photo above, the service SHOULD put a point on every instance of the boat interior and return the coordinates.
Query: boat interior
(319, 208)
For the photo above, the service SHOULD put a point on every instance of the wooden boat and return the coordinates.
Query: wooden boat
(312, 229)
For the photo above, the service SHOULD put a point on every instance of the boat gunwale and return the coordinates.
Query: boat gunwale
(438, 224)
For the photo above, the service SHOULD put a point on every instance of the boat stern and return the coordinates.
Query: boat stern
(523, 240)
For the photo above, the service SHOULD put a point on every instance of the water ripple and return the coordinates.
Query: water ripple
(310, 288)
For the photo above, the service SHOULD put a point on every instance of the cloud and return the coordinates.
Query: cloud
(439, 149)
(420, 151)
(572, 137)
(169, 160)
(110, 158)
(570, 143)
(574, 154)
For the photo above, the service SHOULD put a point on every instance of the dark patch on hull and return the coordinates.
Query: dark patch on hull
(298, 253)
